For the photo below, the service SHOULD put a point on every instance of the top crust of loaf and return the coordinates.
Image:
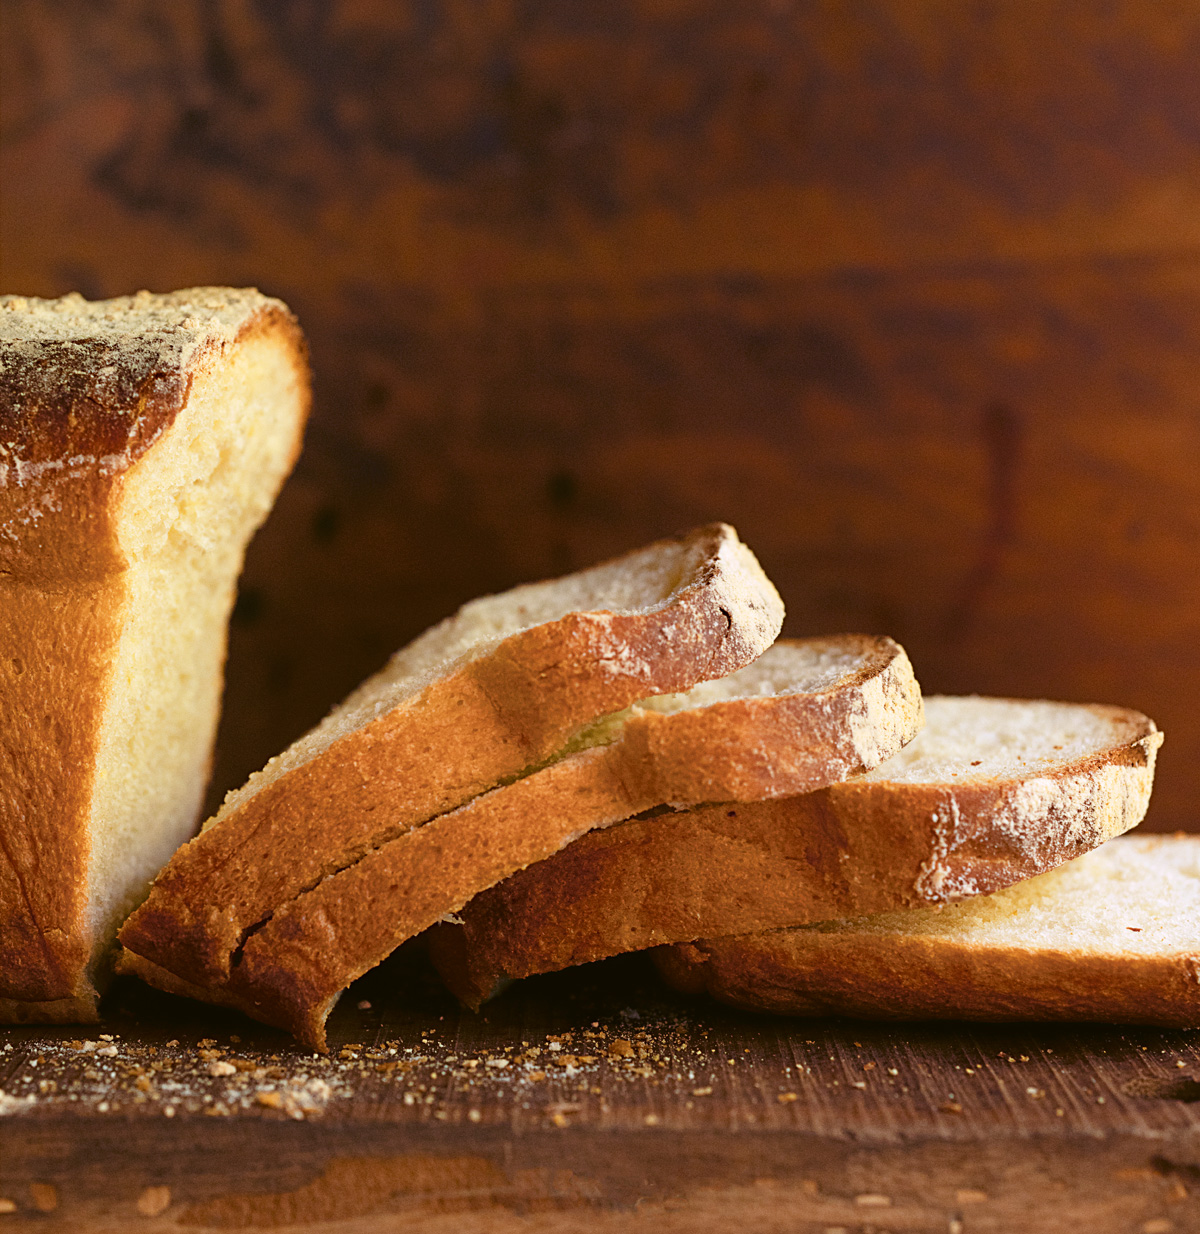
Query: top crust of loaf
(447, 733)
(86, 388)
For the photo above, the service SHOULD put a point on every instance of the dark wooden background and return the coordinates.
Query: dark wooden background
(908, 291)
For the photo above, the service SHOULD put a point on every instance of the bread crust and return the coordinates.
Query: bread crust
(848, 850)
(86, 389)
(291, 969)
(907, 978)
(900, 976)
(478, 723)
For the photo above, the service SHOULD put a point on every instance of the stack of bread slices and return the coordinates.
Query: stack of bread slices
(624, 758)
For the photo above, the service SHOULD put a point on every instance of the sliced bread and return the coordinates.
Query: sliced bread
(805, 714)
(1113, 936)
(142, 442)
(490, 692)
(991, 792)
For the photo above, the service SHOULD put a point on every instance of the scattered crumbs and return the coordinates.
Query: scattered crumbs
(783, 1098)
(950, 1107)
(705, 1091)
(1037, 1093)
(892, 1071)
(619, 1047)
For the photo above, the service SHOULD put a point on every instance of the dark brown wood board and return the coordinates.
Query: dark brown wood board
(593, 1100)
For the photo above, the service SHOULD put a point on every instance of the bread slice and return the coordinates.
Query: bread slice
(489, 693)
(1113, 936)
(142, 442)
(804, 714)
(991, 792)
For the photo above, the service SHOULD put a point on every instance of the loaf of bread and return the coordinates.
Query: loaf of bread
(1113, 935)
(990, 792)
(487, 695)
(805, 714)
(142, 442)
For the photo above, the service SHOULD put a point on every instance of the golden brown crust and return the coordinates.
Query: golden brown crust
(291, 969)
(479, 723)
(844, 851)
(85, 390)
(905, 977)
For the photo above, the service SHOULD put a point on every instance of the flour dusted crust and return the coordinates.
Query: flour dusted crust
(864, 846)
(290, 971)
(492, 711)
(917, 966)
(87, 389)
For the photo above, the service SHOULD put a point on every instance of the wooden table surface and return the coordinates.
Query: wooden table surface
(592, 1100)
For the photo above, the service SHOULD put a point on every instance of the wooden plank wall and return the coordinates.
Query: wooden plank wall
(907, 290)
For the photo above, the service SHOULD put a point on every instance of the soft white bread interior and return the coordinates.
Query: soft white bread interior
(483, 698)
(990, 792)
(206, 392)
(183, 517)
(1113, 936)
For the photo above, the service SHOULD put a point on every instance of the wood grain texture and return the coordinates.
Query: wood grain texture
(652, 1112)
(908, 292)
